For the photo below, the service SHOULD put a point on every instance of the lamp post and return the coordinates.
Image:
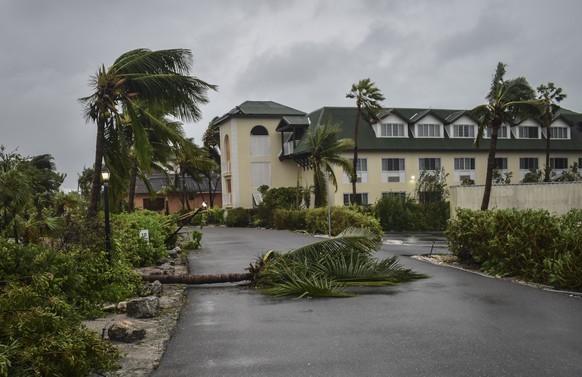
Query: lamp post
(105, 177)
(328, 205)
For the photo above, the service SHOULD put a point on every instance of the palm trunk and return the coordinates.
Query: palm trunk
(97, 166)
(547, 169)
(199, 279)
(490, 165)
(132, 183)
(355, 163)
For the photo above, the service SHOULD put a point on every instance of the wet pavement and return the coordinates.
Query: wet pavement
(455, 323)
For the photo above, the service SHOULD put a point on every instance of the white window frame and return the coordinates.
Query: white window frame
(384, 127)
(394, 176)
(520, 131)
(464, 131)
(502, 133)
(260, 174)
(363, 198)
(437, 159)
(556, 129)
(430, 128)
(464, 168)
(361, 174)
(523, 172)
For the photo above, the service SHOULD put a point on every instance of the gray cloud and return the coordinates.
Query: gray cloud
(302, 53)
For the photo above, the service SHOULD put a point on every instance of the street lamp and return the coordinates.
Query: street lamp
(105, 177)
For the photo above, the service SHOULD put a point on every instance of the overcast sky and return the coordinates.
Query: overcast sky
(304, 54)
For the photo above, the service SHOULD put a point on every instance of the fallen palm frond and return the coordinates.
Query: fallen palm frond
(325, 268)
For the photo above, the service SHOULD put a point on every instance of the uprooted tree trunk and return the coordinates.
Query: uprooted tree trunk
(199, 279)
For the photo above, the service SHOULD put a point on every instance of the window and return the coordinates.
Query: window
(257, 199)
(260, 141)
(528, 163)
(559, 133)
(428, 130)
(362, 198)
(500, 163)
(260, 174)
(156, 204)
(464, 168)
(392, 130)
(463, 130)
(361, 171)
(559, 163)
(429, 164)
(502, 133)
(528, 132)
(464, 163)
(393, 170)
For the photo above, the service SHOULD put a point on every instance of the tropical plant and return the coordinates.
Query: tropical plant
(508, 102)
(137, 82)
(551, 96)
(327, 267)
(326, 149)
(211, 143)
(368, 98)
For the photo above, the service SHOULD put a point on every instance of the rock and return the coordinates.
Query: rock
(122, 306)
(163, 261)
(109, 308)
(125, 331)
(146, 307)
(151, 289)
(167, 269)
(174, 253)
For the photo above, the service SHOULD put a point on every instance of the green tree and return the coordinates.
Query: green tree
(508, 102)
(326, 149)
(551, 96)
(211, 143)
(138, 81)
(368, 98)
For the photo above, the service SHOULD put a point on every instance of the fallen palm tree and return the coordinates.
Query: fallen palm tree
(326, 268)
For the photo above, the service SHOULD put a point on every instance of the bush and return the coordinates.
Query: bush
(237, 217)
(43, 297)
(531, 244)
(128, 243)
(215, 216)
(341, 218)
(290, 219)
(192, 240)
(397, 213)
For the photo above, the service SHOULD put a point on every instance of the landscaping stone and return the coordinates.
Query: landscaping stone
(145, 307)
(151, 289)
(126, 332)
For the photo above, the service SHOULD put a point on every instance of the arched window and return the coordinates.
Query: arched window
(226, 164)
(260, 141)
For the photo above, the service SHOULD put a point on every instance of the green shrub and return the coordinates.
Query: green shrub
(290, 219)
(531, 244)
(215, 216)
(341, 218)
(397, 213)
(237, 217)
(42, 335)
(192, 240)
(130, 246)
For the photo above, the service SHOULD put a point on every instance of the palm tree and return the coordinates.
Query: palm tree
(325, 150)
(211, 143)
(368, 99)
(137, 81)
(323, 268)
(551, 95)
(509, 102)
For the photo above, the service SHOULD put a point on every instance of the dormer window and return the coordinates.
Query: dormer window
(528, 132)
(392, 130)
(502, 133)
(463, 130)
(428, 130)
(560, 132)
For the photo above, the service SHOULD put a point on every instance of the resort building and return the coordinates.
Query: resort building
(262, 144)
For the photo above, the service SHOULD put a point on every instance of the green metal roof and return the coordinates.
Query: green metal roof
(367, 140)
(259, 109)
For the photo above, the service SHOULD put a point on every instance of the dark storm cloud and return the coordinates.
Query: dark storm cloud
(302, 53)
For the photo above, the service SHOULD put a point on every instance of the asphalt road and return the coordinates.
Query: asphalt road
(455, 323)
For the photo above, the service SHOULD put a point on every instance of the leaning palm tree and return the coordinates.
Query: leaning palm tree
(322, 140)
(509, 102)
(137, 81)
(368, 98)
(551, 95)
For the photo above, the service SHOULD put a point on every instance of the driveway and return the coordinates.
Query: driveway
(455, 323)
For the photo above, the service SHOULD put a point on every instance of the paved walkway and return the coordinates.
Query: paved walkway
(455, 323)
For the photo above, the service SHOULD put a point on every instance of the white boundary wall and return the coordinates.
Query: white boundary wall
(557, 198)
